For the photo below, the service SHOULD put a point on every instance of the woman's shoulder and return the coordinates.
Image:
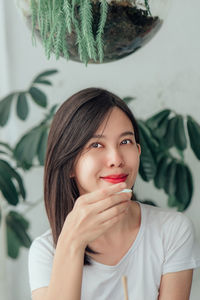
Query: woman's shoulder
(43, 243)
(165, 217)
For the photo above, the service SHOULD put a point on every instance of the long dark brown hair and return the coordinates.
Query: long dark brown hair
(73, 125)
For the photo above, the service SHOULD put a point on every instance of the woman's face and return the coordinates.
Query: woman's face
(115, 153)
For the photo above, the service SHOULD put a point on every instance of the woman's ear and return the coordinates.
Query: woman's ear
(139, 148)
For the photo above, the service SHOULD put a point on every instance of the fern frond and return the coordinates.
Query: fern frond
(64, 46)
(55, 19)
(146, 2)
(42, 17)
(82, 49)
(50, 42)
(58, 36)
(102, 22)
(86, 27)
(47, 24)
(67, 10)
(34, 19)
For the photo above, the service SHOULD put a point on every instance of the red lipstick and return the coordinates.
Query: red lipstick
(115, 178)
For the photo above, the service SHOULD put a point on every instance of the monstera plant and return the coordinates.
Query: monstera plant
(93, 31)
(164, 137)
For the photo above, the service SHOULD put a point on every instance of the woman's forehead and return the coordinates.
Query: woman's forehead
(116, 120)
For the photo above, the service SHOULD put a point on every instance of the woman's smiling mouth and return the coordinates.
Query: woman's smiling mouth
(115, 178)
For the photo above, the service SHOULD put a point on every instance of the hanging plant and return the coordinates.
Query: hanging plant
(93, 31)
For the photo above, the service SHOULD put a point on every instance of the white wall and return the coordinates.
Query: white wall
(165, 73)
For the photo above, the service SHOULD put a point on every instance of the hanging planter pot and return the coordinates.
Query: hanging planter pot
(92, 31)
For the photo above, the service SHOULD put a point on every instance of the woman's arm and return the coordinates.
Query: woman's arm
(66, 277)
(92, 215)
(176, 286)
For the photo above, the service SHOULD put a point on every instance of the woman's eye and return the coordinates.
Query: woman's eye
(127, 141)
(95, 145)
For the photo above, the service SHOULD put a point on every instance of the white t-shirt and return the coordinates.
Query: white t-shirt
(165, 243)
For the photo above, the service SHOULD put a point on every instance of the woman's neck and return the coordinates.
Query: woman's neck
(119, 232)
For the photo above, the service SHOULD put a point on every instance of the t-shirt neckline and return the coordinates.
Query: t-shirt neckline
(131, 249)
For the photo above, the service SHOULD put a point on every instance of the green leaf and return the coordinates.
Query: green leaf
(180, 138)
(155, 121)
(17, 236)
(26, 148)
(46, 82)
(13, 243)
(172, 202)
(52, 110)
(159, 179)
(8, 189)
(169, 135)
(3, 152)
(190, 185)
(183, 192)
(128, 99)
(160, 131)
(42, 145)
(46, 73)
(22, 106)
(38, 96)
(151, 141)
(16, 222)
(146, 201)
(7, 146)
(194, 135)
(170, 179)
(20, 219)
(5, 105)
(147, 167)
(8, 171)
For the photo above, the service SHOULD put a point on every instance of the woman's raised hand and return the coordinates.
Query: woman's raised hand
(94, 213)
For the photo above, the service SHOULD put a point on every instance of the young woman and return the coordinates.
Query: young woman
(98, 233)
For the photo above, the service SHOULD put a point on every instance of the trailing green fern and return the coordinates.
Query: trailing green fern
(68, 14)
(86, 27)
(57, 19)
(103, 17)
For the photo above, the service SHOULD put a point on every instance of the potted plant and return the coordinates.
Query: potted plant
(91, 31)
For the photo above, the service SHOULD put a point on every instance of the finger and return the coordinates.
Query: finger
(111, 201)
(104, 192)
(113, 212)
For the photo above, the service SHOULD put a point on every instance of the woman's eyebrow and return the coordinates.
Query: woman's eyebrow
(125, 133)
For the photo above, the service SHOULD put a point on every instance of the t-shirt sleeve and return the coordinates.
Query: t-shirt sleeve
(40, 263)
(181, 249)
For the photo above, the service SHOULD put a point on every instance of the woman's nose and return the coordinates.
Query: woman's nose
(115, 158)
